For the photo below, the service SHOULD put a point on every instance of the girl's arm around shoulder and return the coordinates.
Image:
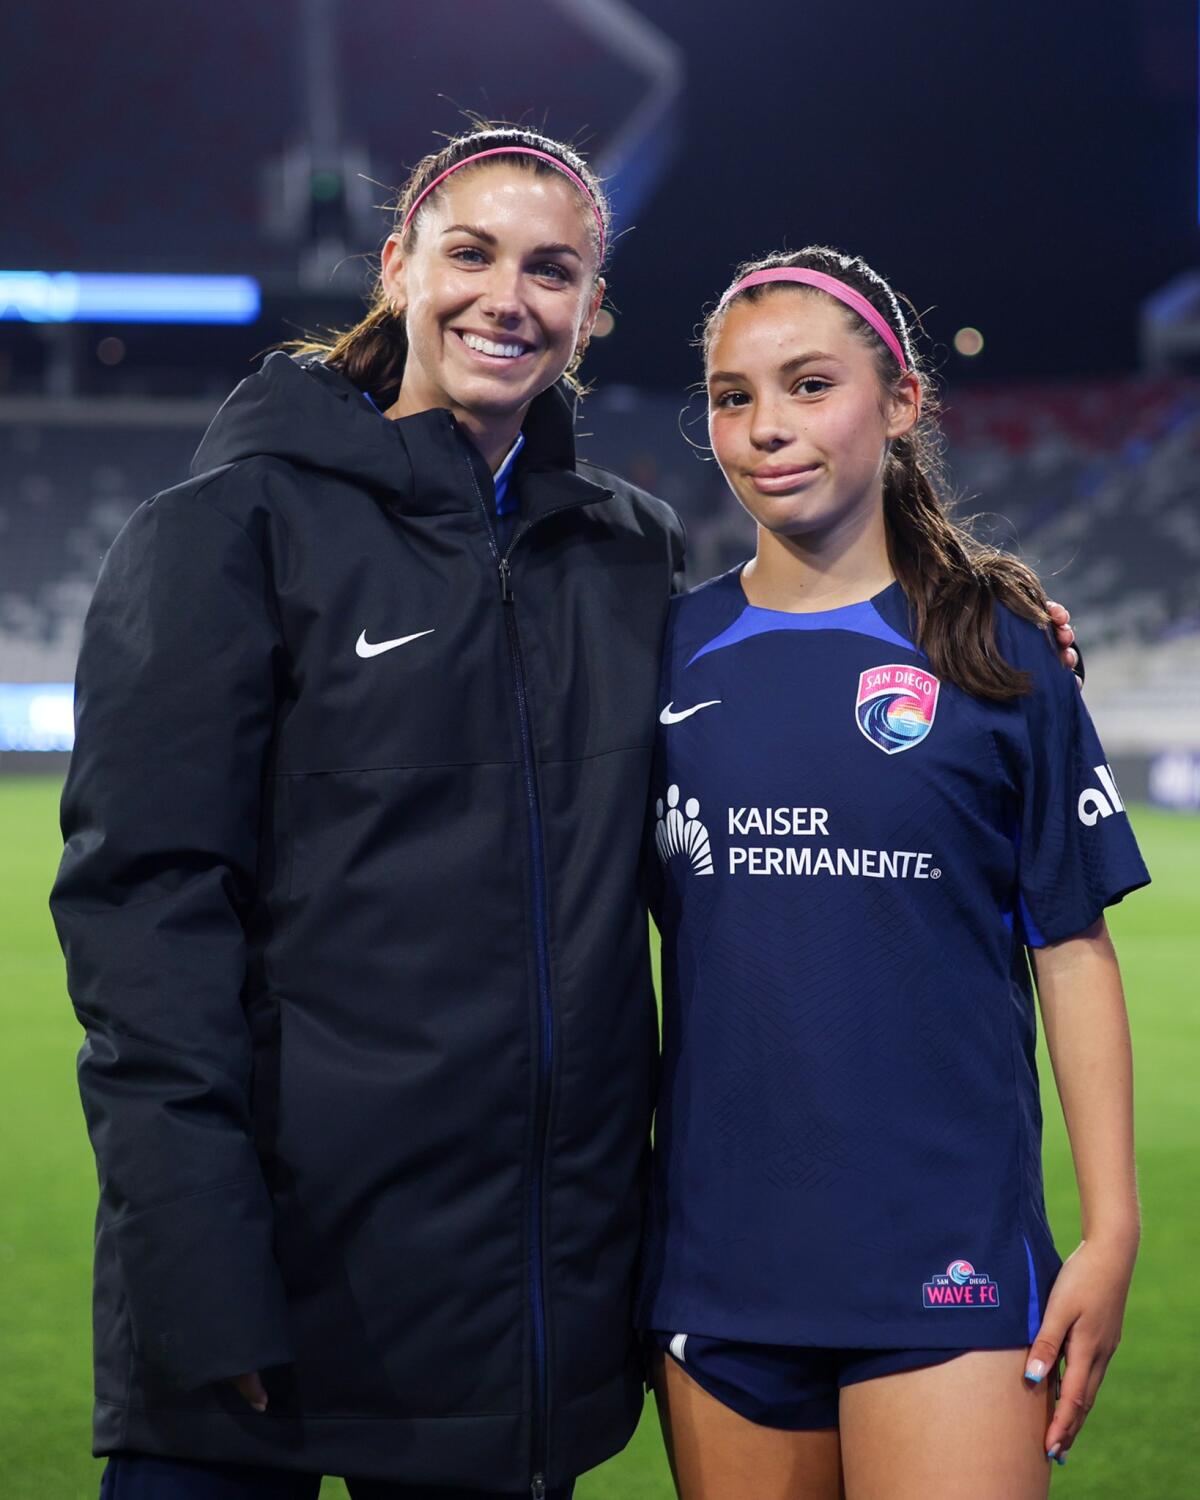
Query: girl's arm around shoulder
(1021, 642)
(1087, 1034)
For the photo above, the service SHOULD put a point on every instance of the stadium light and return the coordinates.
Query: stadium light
(37, 716)
(64, 297)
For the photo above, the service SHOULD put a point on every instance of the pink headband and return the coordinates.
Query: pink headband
(512, 151)
(829, 284)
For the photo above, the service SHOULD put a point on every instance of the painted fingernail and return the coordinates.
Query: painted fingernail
(1060, 1459)
(1035, 1370)
(1052, 1453)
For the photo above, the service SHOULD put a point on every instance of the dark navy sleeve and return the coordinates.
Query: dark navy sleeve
(1078, 854)
(175, 700)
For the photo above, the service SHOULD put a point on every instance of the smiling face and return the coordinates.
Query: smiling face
(497, 292)
(798, 417)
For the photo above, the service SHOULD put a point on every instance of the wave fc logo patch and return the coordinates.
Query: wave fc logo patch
(895, 706)
(960, 1285)
(677, 832)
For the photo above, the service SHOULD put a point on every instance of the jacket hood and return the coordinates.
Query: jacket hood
(307, 414)
(310, 415)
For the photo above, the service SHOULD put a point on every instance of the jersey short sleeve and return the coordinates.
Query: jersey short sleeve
(1078, 854)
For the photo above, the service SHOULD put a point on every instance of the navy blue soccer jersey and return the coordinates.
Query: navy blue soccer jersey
(854, 856)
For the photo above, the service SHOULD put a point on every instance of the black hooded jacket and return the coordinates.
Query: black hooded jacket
(349, 910)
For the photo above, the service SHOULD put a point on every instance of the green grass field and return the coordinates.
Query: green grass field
(1141, 1442)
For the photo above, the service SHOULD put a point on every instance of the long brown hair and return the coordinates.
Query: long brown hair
(373, 353)
(952, 579)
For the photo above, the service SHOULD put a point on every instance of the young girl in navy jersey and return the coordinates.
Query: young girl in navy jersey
(877, 790)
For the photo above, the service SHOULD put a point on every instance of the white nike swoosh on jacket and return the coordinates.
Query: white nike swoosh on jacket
(363, 647)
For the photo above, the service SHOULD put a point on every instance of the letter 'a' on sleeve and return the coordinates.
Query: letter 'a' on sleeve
(1078, 854)
(160, 815)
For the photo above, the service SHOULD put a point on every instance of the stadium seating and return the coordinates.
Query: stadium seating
(1095, 483)
(70, 479)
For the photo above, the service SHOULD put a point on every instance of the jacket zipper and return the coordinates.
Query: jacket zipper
(537, 1293)
(540, 1424)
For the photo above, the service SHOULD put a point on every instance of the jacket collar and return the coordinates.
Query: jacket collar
(546, 475)
(303, 412)
(446, 472)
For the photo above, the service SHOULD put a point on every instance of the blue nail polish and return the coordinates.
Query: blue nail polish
(1060, 1459)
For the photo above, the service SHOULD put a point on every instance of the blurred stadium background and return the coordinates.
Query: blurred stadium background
(185, 186)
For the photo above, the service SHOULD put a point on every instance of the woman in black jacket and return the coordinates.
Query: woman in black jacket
(365, 714)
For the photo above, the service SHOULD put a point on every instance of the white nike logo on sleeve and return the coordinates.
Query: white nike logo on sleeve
(667, 717)
(365, 648)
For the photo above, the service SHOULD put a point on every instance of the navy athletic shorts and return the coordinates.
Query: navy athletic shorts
(138, 1476)
(783, 1385)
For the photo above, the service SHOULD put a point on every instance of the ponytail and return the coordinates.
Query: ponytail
(952, 580)
(372, 354)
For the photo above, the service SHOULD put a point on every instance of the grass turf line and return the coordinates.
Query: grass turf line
(1136, 1445)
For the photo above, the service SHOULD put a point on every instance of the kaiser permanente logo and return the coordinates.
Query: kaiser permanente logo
(811, 859)
(679, 831)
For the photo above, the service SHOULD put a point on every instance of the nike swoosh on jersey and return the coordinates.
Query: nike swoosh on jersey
(363, 647)
(667, 717)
